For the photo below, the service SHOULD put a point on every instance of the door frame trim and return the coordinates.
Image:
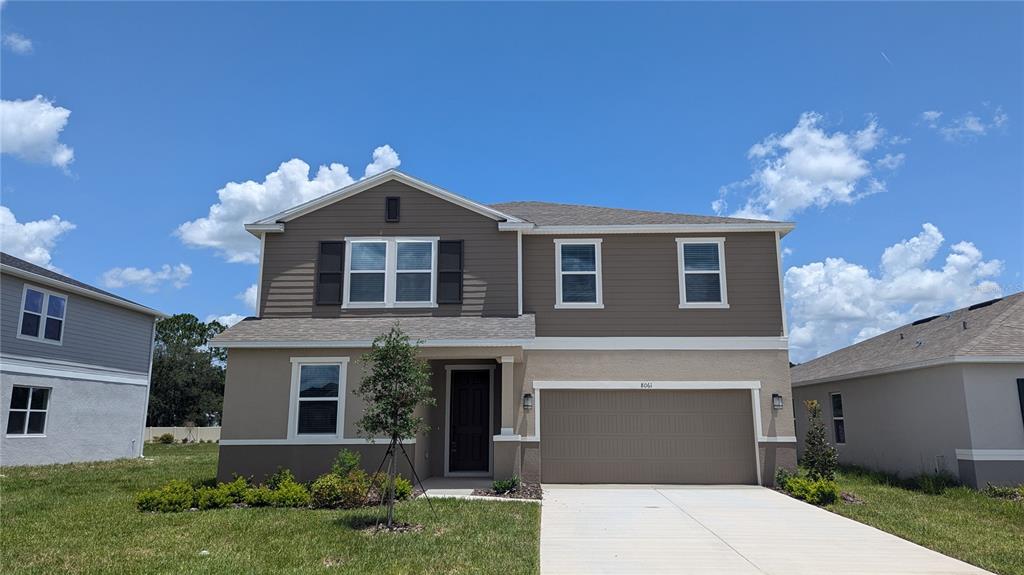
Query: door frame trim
(754, 386)
(448, 369)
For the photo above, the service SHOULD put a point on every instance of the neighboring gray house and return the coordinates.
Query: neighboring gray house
(75, 365)
(944, 393)
(570, 344)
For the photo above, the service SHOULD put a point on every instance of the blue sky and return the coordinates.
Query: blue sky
(912, 114)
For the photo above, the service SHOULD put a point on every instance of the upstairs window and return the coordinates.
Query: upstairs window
(27, 414)
(838, 421)
(42, 315)
(578, 274)
(702, 273)
(390, 272)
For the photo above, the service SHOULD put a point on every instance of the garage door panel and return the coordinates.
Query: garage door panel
(649, 436)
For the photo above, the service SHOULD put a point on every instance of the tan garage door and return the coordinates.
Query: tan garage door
(649, 436)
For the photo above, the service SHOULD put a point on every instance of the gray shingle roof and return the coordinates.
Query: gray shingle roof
(552, 214)
(18, 263)
(363, 330)
(991, 330)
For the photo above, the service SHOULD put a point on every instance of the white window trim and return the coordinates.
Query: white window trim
(28, 411)
(42, 322)
(832, 413)
(293, 403)
(559, 304)
(390, 273)
(683, 304)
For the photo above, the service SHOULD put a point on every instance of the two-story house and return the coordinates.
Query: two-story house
(75, 364)
(569, 344)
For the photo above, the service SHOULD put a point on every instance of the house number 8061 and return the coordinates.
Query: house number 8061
(646, 385)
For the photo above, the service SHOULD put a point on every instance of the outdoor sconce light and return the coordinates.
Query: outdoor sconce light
(777, 401)
(527, 401)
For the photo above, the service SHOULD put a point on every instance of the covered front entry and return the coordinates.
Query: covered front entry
(682, 436)
(470, 420)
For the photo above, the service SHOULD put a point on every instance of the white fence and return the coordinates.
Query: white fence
(193, 434)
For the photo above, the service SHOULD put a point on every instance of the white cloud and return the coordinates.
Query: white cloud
(31, 241)
(240, 203)
(249, 297)
(836, 303)
(227, 320)
(966, 127)
(30, 130)
(808, 167)
(891, 161)
(146, 279)
(18, 43)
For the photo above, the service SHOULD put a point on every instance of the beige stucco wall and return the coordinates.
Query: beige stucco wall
(771, 368)
(909, 422)
(993, 405)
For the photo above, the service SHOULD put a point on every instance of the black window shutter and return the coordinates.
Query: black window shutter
(449, 271)
(1020, 395)
(330, 273)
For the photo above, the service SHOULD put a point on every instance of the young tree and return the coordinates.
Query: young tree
(397, 383)
(820, 458)
(188, 376)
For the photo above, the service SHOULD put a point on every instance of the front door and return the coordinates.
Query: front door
(469, 432)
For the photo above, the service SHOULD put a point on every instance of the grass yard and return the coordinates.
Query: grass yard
(960, 522)
(80, 518)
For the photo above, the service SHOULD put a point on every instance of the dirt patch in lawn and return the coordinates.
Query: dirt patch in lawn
(524, 491)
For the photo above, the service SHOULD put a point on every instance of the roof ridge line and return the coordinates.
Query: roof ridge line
(992, 325)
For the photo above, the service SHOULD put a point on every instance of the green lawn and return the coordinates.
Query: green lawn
(961, 522)
(80, 519)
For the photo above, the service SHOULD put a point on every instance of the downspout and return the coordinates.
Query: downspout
(519, 269)
(259, 278)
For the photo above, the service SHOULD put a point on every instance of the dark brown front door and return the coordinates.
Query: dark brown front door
(469, 436)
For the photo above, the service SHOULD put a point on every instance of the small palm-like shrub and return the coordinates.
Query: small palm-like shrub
(403, 488)
(505, 485)
(346, 462)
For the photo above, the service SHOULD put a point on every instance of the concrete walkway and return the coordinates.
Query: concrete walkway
(720, 530)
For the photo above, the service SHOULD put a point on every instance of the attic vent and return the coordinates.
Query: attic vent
(924, 320)
(391, 209)
(984, 304)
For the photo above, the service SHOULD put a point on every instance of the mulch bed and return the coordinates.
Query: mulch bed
(395, 528)
(850, 498)
(524, 491)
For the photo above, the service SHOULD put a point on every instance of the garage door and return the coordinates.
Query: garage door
(649, 436)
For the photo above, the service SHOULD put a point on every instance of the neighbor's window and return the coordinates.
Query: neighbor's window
(319, 401)
(578, 274)
(390, 272)
(42, 315)
(702, 272)
(838, 423)
(27, 415)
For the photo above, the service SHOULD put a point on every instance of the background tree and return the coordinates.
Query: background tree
(820, 458)
(188, 376)
(396, 384)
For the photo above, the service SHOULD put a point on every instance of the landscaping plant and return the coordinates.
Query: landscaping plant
(505, 485)
(820, 458)
(396, 384)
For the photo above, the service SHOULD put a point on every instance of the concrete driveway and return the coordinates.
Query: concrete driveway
(721, 530)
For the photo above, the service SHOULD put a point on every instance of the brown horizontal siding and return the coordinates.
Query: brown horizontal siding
(641, 289)
(289, 263)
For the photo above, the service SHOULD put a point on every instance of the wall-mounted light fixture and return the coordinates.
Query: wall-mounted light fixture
(777, 401)
(527, 401)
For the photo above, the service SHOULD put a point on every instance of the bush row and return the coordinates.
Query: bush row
(168, 438)
(345, 487)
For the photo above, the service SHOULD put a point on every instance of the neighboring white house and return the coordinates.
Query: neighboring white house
(944, 393)
(75, 364)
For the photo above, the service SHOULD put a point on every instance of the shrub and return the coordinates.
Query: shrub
(289, 494)
(346, 462)
(782, 475)
(1005, 492)
(505, 485)
(817, 491)
(166, 438)
(213, 497)
(328, 491)
(177, 495)
(280, 476)
(184, 440)
(820, 458)
(258, 496)
(235, 490)
(403, 488)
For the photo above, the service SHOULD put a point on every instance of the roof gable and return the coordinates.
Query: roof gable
(271, 223)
